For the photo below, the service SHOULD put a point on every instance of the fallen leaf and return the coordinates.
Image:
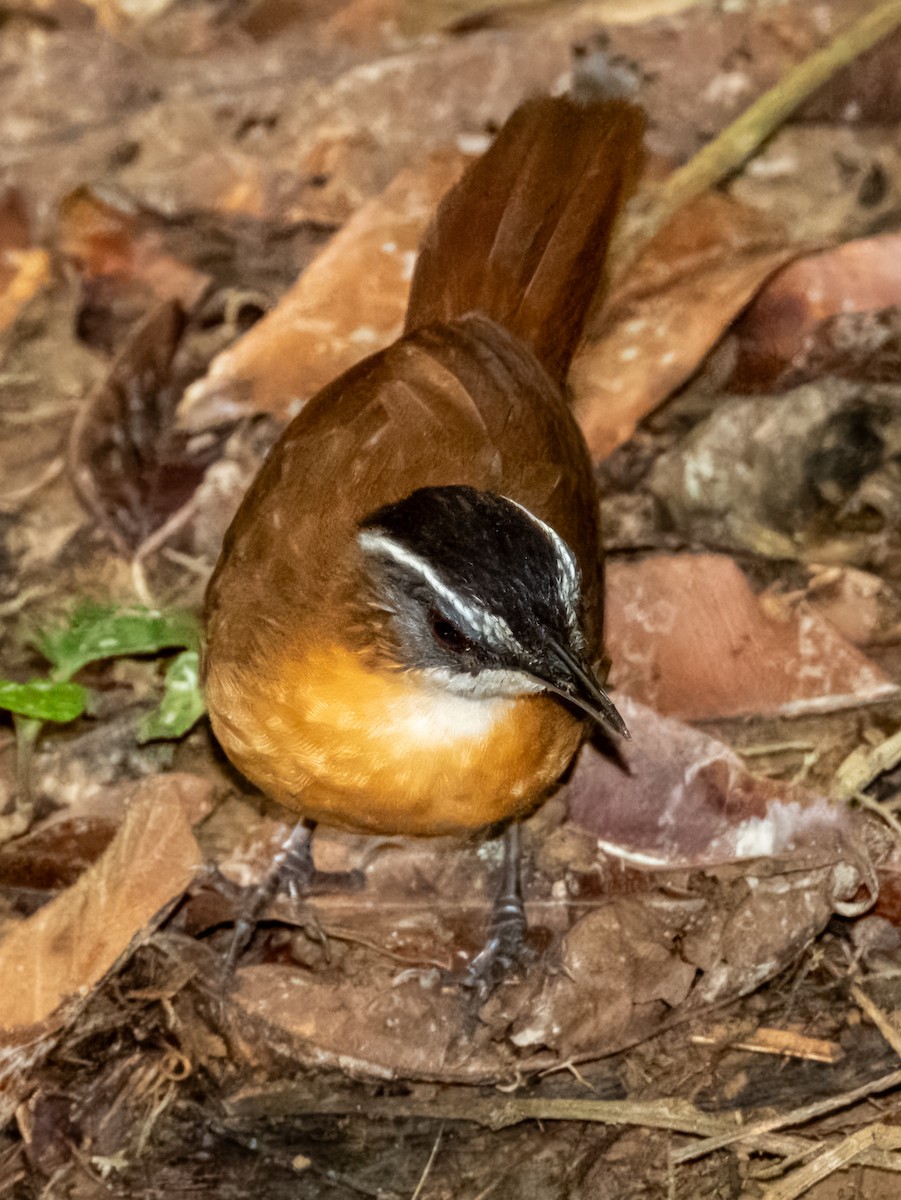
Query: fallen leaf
(58, 848)
(349, 302)
(667, 310)
(131, 469)
(28, 271)
(779, 330)
(24, 270)
(687, 636)
(806, 474)
(827, 183)
(861, 606)
(51, 962)
(124, 265)
(774, 862)
(677, 797)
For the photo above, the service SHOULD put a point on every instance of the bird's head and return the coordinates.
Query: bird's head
(480, 597)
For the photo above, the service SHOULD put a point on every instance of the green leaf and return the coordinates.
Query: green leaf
(95, 632)
(43, 700)
(182, 704)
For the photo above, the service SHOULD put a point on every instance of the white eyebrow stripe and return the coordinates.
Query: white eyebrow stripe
(490, 624)
(568, 574)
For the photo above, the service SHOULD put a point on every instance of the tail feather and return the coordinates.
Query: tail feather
(523, 236)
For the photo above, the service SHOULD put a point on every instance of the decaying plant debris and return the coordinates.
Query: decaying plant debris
(204, 216)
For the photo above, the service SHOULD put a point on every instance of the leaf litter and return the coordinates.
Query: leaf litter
(687, 884)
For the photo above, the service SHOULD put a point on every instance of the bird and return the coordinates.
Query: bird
(404, 629)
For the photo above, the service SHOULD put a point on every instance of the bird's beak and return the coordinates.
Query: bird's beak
(575, 681)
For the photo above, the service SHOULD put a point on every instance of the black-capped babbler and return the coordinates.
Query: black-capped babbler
(404, 627)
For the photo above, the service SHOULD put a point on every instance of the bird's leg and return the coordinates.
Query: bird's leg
(293, 870)
(506, 946)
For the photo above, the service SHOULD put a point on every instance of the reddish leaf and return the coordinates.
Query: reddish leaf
(688, 637)
(788, 332)
(668, 310)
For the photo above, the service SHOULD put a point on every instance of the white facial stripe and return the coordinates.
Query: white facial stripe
(490, 625)
(569, 580)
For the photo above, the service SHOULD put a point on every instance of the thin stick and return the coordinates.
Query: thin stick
(496, 1113)
(425, 1174)
(835, 1158)
(863, 766)
(797, 1116)
(878, 1017)
(740, 140)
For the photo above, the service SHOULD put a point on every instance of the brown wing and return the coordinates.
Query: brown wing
(458, 404)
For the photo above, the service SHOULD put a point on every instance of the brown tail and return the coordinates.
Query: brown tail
(523, 235)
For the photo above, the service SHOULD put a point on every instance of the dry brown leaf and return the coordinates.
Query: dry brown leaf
(861, 606)
(131, 469)
(688, 637)
(52, 961)
(349, 302)
(668, 310)
(807, 474)
(29, 271)
(781, 324)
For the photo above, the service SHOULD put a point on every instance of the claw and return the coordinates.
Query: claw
(506, 950)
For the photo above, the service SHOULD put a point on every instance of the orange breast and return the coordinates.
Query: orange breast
(386, 753)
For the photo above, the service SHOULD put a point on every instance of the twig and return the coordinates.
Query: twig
(878, 1017)
(762, 749)
(498, 1113)
(11, 501)
(863, 765)
(425, 1174)
(835, 1158)
(797, 1116)
(740, 140)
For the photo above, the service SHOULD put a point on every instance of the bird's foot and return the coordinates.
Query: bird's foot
(507, 949)
(292, 872)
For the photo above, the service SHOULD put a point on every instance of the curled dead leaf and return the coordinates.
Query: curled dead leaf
(131, 469)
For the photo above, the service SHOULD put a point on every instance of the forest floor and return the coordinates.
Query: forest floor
(208, 211)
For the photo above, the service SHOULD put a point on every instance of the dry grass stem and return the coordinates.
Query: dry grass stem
(878, 1017)
(732, 148)
(796, 1116)
(835, 1158)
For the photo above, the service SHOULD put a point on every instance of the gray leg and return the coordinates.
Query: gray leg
(292, 864)
(506, 946)
(292, 870)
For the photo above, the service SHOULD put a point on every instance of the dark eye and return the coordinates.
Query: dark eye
(447, 634)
